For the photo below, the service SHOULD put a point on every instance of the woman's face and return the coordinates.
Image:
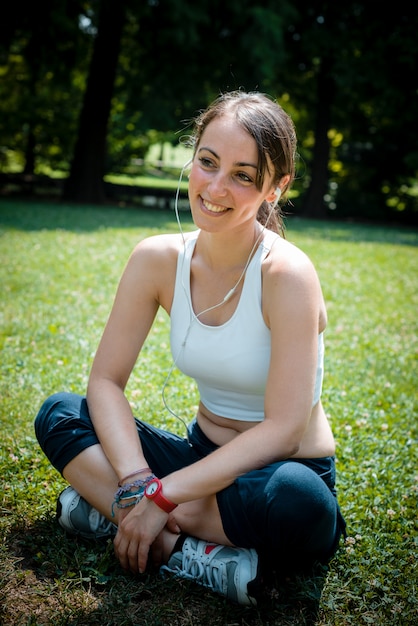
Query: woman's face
(222, 190)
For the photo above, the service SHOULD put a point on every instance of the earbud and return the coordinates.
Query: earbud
(277, 194)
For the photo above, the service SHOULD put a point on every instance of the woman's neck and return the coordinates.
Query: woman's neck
(229, 250)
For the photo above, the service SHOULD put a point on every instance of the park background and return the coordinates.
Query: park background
(96, 99)
(87, 88)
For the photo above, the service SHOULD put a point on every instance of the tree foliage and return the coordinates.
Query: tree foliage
(86, 86)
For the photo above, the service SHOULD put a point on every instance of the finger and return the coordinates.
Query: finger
(132, 557)
(142, 557)
(120, 547)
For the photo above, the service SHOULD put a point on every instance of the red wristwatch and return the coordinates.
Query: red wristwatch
(154, 491)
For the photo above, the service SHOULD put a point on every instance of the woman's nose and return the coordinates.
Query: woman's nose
(218, 186)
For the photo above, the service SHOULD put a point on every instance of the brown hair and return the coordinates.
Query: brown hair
(274, 133)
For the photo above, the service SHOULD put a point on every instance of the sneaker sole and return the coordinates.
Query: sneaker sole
(63, 520)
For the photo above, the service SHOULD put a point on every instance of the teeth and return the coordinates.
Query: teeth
(215, 208)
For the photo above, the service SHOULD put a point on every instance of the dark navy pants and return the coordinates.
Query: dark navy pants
(287, 511)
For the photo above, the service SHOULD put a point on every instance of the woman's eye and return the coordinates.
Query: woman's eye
(244, 177)
(205, 162)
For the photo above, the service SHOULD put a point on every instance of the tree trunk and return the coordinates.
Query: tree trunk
(29, 168)
(314, 204)
(85, 183)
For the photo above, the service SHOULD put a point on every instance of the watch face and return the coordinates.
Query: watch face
(152, 488)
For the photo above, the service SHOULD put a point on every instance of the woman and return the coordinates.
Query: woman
(253, 485)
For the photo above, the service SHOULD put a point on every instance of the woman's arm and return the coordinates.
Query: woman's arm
(138, 297)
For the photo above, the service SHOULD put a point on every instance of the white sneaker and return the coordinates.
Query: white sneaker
(231, 572)
(78, 517)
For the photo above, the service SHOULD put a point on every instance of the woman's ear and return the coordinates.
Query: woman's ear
(275, 195)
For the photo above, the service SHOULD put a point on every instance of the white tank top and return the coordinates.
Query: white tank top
(230, 362)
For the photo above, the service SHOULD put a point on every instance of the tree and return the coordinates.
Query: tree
(153, 91)
(355, 72)
(345, 73)
(85, 182)
(40, 45)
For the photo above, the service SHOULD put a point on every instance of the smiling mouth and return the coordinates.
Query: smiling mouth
(214, 208)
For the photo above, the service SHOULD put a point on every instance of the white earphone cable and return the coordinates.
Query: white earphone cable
(194, 317)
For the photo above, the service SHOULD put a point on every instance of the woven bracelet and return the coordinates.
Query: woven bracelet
(126, 500)
(124, 494)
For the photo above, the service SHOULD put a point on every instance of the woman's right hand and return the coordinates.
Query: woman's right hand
(140, 531)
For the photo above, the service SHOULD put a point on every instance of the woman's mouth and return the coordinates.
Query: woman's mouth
(214, 208)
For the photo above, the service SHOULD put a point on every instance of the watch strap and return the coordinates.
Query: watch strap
(164, 503)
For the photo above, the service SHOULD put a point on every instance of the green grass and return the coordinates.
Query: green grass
(59, 268)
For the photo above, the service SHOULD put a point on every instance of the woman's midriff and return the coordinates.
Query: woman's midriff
(318, 440)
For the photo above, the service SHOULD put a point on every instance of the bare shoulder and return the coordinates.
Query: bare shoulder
(158, 246)
(157, 251)
(151, 268)
(286, 260)
(291, 285)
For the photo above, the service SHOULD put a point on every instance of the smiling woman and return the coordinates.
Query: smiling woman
(52, 317)
(271, 156)
(251, 486)
(220, 184)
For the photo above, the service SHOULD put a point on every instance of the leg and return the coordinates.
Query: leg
(90, 468)
(286, 511)
(92, 476)
(201, 518)
(67, 437)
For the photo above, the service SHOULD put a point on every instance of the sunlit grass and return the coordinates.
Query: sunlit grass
(59, 269)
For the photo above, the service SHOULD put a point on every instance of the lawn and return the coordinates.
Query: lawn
(59, 269)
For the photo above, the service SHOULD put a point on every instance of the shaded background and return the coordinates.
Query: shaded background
(87, 88)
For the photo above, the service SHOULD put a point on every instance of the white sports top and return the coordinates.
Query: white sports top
(230, 362)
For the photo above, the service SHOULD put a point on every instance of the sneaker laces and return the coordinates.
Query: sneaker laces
(207, 574)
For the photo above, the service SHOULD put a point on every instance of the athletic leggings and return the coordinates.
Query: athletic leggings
(287, 511)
